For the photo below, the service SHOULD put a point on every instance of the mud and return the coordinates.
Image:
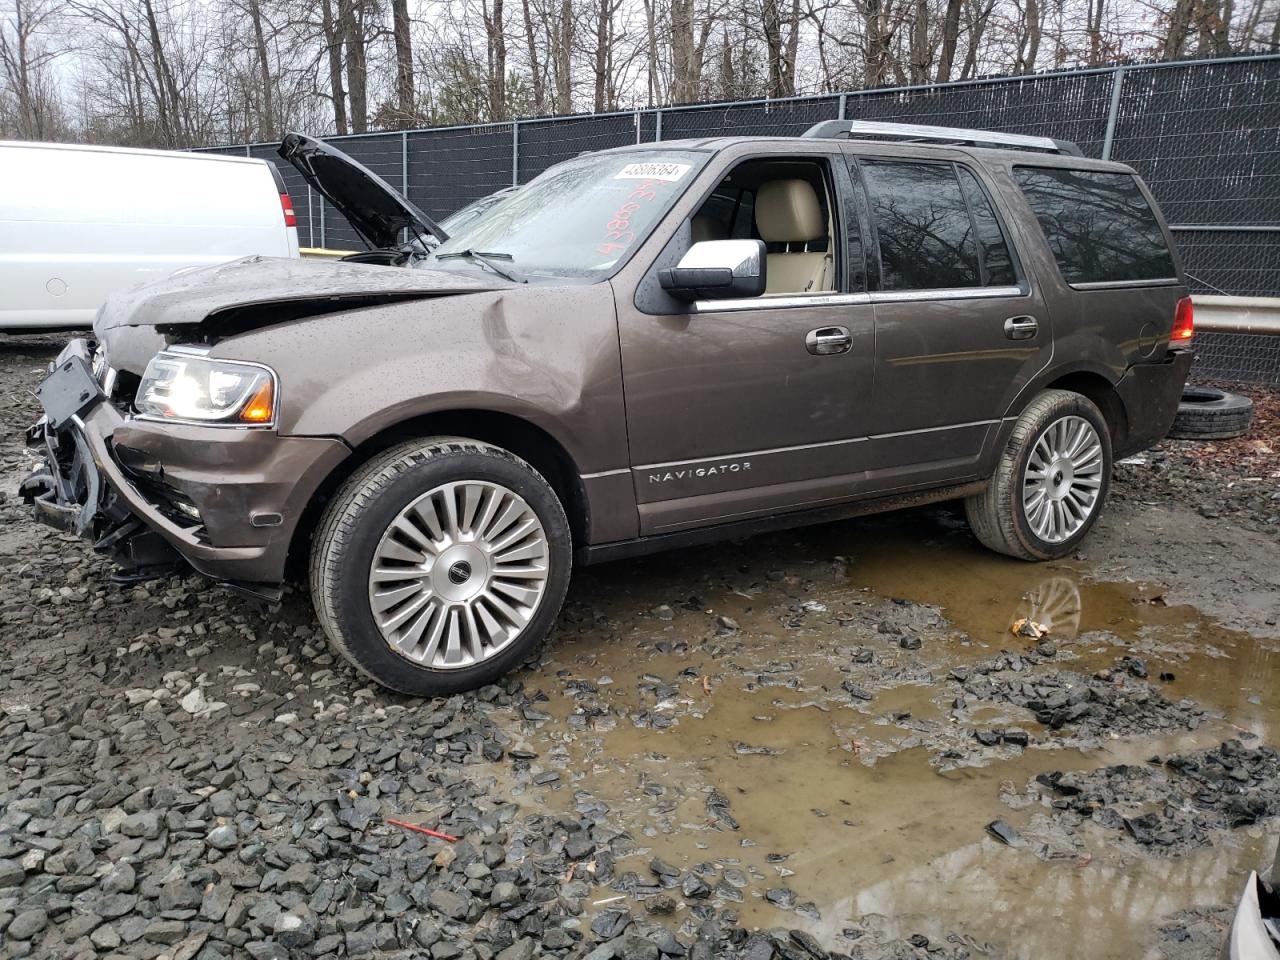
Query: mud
(871, 812)
(807, 733)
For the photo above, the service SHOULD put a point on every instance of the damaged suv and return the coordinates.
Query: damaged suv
(642, 348)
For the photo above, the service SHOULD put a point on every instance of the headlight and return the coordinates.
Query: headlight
(181, 386)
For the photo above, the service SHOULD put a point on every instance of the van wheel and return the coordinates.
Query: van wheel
(1050, 483)
(441, 565)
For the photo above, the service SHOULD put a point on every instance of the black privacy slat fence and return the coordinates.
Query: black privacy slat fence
(1204, 134)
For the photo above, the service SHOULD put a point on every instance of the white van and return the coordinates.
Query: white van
(78, 223)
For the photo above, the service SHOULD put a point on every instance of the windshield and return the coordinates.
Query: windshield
(456, 222)
(582, 218)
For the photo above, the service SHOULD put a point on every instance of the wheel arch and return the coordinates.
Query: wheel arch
(1094, 382)
(1102, 392)
(525, 439)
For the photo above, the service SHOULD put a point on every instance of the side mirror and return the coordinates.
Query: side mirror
(717, 269)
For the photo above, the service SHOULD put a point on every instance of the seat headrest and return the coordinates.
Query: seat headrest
(787, 211)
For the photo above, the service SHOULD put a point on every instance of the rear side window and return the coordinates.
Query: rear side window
(926, 237)
(935, 226)
(1099, 225)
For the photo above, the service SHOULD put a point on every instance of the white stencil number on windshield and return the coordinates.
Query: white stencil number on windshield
(669, 172)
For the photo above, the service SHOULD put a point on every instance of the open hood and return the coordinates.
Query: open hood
(375, 209)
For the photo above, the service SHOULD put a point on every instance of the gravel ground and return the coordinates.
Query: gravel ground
(1238, 480)
(186, 775)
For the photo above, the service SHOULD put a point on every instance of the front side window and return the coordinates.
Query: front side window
(786, 202)
(1099, 225)
(583, 218)
(926, 235)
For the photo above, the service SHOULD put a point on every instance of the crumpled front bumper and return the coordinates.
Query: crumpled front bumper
(123, 483)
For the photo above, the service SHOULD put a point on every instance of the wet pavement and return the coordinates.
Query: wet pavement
(824, 731)
(853, 805)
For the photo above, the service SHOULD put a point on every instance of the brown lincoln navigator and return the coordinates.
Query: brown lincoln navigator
(642, 348)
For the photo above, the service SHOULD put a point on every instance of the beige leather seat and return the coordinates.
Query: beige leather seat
(787, 211)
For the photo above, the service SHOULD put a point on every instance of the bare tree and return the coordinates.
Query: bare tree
(184, 72)
(561, 30)
(685, 59)
(950, 36)
(332, 36)
(537, 65)
(400, 26)
(266, 118)
(1029, 37)
(495, 33)
(780, 25)
(27, 57)
(351, 28)
(878, 33)
(1096, 9)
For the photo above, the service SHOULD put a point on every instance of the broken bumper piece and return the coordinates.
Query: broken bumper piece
(80, 487)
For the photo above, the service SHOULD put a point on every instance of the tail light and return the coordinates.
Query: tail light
(290, 219)
(1184, 325)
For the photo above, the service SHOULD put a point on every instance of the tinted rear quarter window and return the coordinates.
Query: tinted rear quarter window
(1099, 225)
(995, 252)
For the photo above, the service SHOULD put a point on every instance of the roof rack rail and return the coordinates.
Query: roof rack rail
(924, 134)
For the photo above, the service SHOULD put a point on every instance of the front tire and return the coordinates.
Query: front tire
(1051, 481)
(441, 565)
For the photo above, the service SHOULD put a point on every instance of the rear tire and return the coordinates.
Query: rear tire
(1050, 483)
(1206, 413)
(440, 565)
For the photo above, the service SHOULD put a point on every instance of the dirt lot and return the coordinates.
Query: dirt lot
(825, 743)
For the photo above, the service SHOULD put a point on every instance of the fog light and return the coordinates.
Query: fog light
(188, 508)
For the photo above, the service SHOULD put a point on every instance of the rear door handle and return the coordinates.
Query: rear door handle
(828, 341)
(1021, 328)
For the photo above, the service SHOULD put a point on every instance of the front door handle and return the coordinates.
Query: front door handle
(827, 341)
(1021, 328)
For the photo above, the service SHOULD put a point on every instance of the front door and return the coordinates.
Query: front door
(958, 329)
(739, 408)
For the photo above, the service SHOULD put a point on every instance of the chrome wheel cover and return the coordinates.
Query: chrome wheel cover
(458, 574)
(1062, 480)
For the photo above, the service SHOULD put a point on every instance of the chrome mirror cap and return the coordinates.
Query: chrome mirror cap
(717, 269)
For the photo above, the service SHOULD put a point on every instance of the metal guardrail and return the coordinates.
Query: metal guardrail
(1256, 315)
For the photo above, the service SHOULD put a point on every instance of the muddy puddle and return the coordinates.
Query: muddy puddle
(813, 689)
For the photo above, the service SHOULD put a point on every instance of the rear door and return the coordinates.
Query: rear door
(959, 327)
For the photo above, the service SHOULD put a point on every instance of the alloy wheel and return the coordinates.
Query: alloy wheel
(1063, 478)
(458, 574)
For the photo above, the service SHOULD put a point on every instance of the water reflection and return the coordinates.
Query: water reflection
(1104, 909)
(1093, 622)
(1055, 605)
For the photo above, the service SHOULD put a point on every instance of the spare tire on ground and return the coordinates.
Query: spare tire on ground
(1207, 413)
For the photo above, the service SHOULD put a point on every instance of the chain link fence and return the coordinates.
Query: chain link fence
(1204, 134)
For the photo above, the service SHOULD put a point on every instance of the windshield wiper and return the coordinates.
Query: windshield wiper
(486, 259)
